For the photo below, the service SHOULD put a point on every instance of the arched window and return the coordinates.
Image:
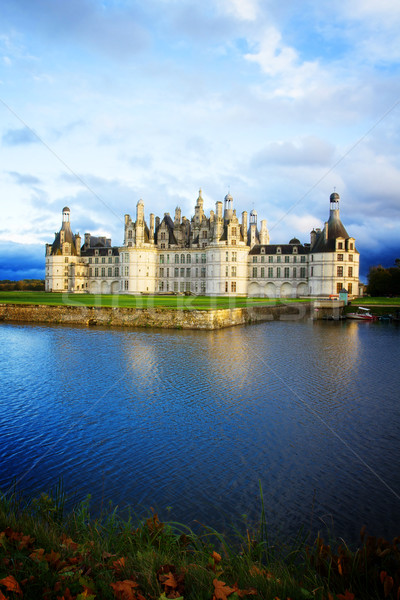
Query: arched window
(176, 258)
(183, 259)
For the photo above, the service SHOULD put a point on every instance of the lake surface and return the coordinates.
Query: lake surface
(190, 422)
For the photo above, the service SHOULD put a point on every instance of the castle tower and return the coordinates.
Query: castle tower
(228, 207)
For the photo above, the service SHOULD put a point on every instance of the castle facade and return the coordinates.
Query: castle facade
(216, 255)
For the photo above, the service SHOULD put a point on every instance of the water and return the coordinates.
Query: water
(191, 422)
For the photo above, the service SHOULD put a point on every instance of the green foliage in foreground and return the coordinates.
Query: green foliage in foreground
(115, 300)
(45, 553)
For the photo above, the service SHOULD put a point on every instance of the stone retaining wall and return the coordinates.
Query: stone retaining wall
(152, 317)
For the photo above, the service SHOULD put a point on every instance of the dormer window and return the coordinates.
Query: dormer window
(110, 253)
(262, 250)
(96, 252)
(295, 250)
(279, 250)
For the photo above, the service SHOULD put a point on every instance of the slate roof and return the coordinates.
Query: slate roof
(68, 237)
(285, 249)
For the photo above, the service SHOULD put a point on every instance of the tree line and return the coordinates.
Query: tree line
(384, 281)
(33, 285)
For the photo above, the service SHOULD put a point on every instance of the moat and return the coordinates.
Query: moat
(190, 422)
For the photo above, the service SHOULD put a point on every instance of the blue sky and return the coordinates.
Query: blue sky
(106, 102)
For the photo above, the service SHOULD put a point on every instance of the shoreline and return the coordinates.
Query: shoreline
(156, 317)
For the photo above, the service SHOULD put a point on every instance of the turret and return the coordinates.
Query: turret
(198, 209)
(65, 214)
(228, 212)
(78, 244)
(151, 236)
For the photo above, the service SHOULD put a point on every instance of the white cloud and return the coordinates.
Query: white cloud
(247, 10)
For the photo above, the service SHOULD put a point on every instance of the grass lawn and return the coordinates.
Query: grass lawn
(114, 300)
(377, 301)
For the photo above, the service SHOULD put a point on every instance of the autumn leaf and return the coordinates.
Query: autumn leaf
(53, 557)
(11, 584)
(221, 591)
(25, 541)
(217, 557)
(387, 585)
(346, 596)
(119, 564)
(38, 555)
(2, 596)
(124, 590)
(69, 543)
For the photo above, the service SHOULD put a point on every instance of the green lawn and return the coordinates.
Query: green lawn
(377, 301)
(114, 300)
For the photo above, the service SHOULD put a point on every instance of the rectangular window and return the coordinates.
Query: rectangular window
(338, 287)
(350, 257)
(167, 259)
(234, 256)
(176, 259)
(350, 288)
(126, 284)
(233, 230)
(109, 272)
(90, 260)
(197, 258)
(302, 259)
(126, 271)
(161, 259)
(176, 272)
(233, 272)
(90, 271)
(96, 260)
(226, 286)
(203, 258)
(254, 259)
(312, 271)
(263, 271)
(161, 272)
(116, 259)
(263, 259)
(167, 271)
(286, 272)
(226, 271)
(254, 271)
(340, 271)
(188, 259)
(302, 272)
(278, 272)
(116, 271)
(294, 258)
(187, 272)
(66, 259)
(110, 259)
(340, 245)
(182, 286)
(96, 272)
(270, 259)
(340, 256)
(182, 272)
(226, 256)
(175, 286)
(103, 272)
(278, 259)
(203, 271)
(103, 260)
(287, 259)
(270, 272)
(294, 272)
(233, 286)
(203, 287)
(350, 271)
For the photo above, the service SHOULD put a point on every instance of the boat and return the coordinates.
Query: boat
(363, 314)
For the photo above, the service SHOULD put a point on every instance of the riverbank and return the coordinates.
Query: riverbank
(151, 317)
(46, 553)
(169, 312)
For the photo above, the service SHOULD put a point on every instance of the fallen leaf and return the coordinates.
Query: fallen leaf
(11, 584)
(221, 591)
(124, 590)
(346, 596)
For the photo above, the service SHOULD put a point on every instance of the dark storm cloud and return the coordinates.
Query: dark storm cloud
(16, 137)
(20, 261)
(24, 179)
(112, 30)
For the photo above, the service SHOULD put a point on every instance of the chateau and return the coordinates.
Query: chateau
(216, 255)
